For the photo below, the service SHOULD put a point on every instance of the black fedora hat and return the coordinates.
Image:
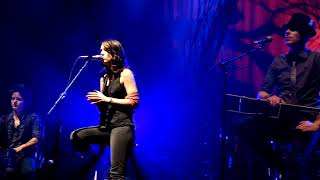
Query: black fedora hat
(301, 23)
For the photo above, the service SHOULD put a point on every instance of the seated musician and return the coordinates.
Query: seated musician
(117, 98)
(295, 76)
(19, 133)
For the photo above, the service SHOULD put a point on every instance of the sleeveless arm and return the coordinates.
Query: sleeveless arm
(132, 98)
(127, 79)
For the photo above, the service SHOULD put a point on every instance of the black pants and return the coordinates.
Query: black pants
(120, 140)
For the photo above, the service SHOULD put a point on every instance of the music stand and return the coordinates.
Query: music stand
(224, 137)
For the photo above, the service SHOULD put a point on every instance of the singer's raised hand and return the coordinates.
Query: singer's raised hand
(97, 97)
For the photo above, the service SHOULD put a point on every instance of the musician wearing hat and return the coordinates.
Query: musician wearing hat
(294, 78)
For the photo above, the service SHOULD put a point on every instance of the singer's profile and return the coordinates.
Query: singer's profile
(292, 78)
(116, 100)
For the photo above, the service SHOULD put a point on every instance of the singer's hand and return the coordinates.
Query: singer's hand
(97, 97)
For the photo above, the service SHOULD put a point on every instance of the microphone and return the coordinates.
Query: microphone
(265, 40)
(91, 57)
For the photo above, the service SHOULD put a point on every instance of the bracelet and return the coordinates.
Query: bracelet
(110, 100)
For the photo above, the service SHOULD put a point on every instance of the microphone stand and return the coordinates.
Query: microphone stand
(64, 93)
(224, 132)
(58, 122)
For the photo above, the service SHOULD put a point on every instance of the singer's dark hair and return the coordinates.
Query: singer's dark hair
(116, 50)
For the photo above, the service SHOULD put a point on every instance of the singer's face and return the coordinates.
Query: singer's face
(106, 57)
(292, 37)
(17, 102)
